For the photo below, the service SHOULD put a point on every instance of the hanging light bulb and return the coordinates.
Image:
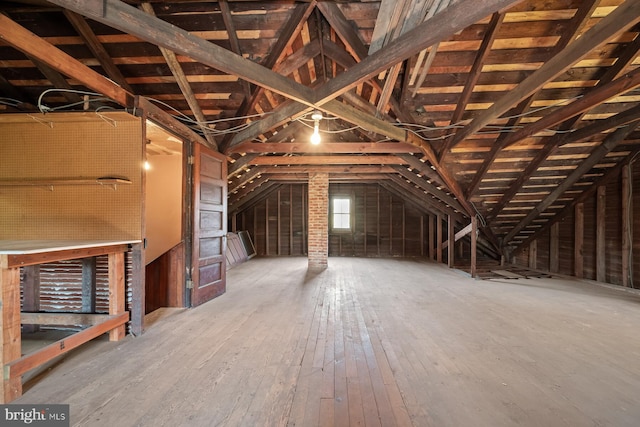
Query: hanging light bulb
(315, 137)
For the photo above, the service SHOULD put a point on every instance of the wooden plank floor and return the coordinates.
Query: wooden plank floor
(375, 342)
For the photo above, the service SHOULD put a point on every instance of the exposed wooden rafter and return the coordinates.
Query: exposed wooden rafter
(621, 19)
(576, 25)
(185, 86)
(597, 155)
(98, 50)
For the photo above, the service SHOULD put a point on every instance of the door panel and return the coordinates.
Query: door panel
(210, 225)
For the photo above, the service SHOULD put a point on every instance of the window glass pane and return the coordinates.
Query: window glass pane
(341, 221)
(341, 205)
(341, 213)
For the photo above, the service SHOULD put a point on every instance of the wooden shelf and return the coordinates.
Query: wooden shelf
(50, 183)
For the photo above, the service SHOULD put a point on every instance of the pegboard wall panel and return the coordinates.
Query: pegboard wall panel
(80, 148)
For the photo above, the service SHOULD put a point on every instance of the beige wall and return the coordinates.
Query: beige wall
(163, 204)
(79, 147)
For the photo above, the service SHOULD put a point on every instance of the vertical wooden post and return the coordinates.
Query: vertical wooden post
(533, 255)
(601, 212)
(305, 249)
(116, 292)
(138, 295)
(266, 226)
(439, 238)
(364, 220)
(554, 248)
(474, 242)
(10, 339)
(290, 219)
(31, 294)
(378, 220)
(431, 237)
(578, 259)
(626, 225)
(404, 231)
(89, 285)
(421, 235)
(390, 224)
(278, 229)
(452, 241)
(255, 227)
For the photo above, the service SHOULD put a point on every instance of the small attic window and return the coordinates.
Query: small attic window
(341, 213)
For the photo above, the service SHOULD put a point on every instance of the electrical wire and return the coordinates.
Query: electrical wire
(204, 127)
(327, 131)
(483, 222)
(10, 101)
(43, 108)
(201, 127)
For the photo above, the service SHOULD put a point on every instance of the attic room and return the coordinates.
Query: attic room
(392, 213)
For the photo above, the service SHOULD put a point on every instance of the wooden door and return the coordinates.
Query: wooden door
(209, 225)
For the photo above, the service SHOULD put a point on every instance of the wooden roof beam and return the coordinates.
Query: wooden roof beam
(303, 178)
(553, 144)
(275, 58)
(167, 121)
(57, 80)
(621, 19)
(611, 142)
(594, 97)
(242, 162)
(327, 160)
(576, 25)
(326, 147)
(343, 29)
(32, 45)
(36, 47)
(184, 85)
(280, 136)
(356, 49)
(612, 173)
(245, 179)
(579, 106)
(475, 72)
(337, 169)
(451, 20)
(286, 112)
(428, 187)
(124, 17)
(415, 196)
(408, 16)
(13, 92)
(91, 40)
(248, 195)
(233, 38)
